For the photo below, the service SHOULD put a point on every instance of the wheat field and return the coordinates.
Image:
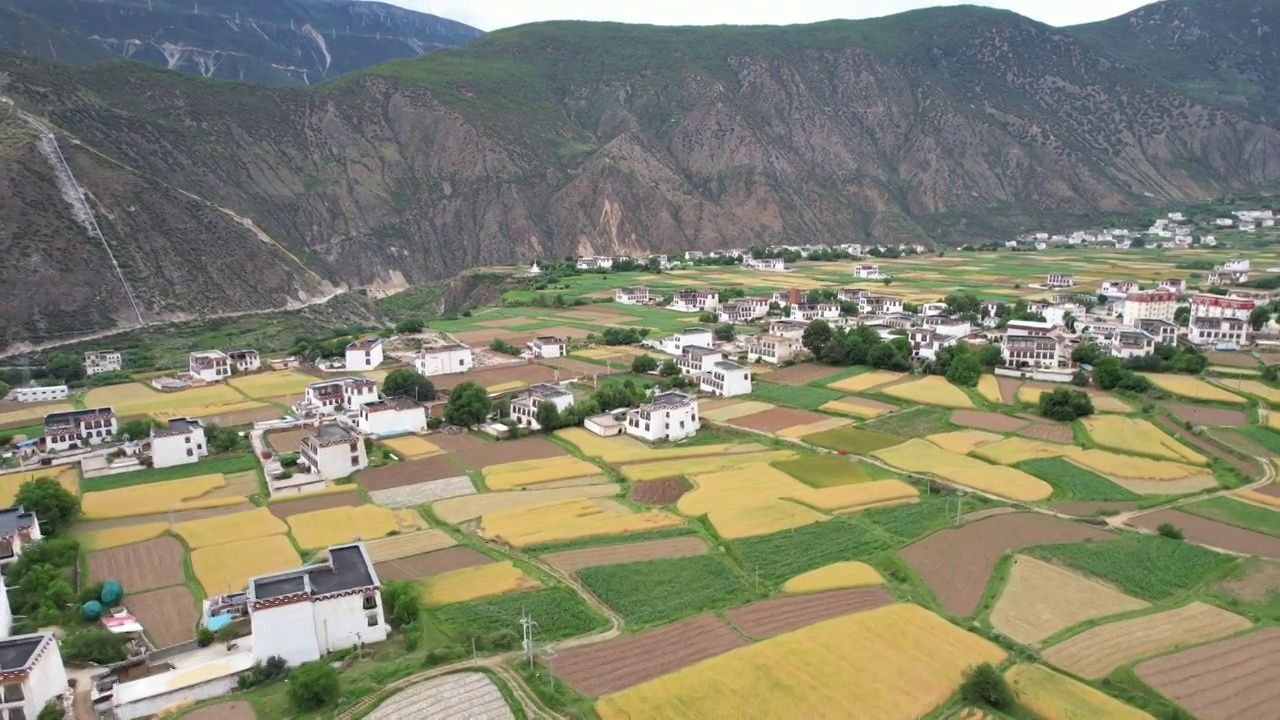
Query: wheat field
(570, 520)
(918, 455)
(1130, 435)
(473, 583)
(931, 390)
(1041, 599)
(153, 498)
(1053, 696)
(833, 577)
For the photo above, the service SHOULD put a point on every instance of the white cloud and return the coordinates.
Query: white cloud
(493, 14)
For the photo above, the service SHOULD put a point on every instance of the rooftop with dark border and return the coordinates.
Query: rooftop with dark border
(17, 652)
(348, 568)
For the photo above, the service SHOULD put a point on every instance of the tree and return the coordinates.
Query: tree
(468, 405)
(965, 370)
(55, 506)
(707, 317)
(643, 364)
(409, 384)
(1182, 315)
(412, 325)
(669, 368)
(4, 388)
(52, 710)
(101, 647)
(1260, 316)
(1108, 373)
(1065, 405)
(222, 439)
(816, 336)
(1087, 353)
(984, 685)
(401, 602)
(1169, 530)
(135, 429)
(549, 416)
(313, 685)
(725, 332)
(990, 355)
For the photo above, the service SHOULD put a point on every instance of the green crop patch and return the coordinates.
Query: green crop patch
(797, 396)
(658, 591)
(1150, 567)
(1072, 482)
(824, 471)
(854, 440)
(916, 422)
(912, 522)
(1239, 514)
(559, 612)
(783, 555)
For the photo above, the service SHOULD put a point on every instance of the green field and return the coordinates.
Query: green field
(1072, 482)
(806, 397)
(1150, 567)
(915, 422)
(909, 523)
(1239, 514)
(781, 556)
(831, 470)
(225, 464)
(658, 591)
(853, 440)
(559, 612)
(1265, 437)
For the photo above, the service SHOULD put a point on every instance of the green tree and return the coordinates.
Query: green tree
(413, 325)
(1182, 315)
(816, 336)
(313, 685)
(101, 647)
(135, 429)
(401, 602)
(468, 405)
(669, 368)
(984, 685)
(725, 332)
(990, 355)
(1260, 316)
(1087, 352)
(55, 506)
(1065, 405)
(643, 364)
(707, 317)
(52, 710)
(409, 384)
(1108, 373)
(4, 388)
(1170, 531)
(615, 395)
(549, 416)
(965, 370)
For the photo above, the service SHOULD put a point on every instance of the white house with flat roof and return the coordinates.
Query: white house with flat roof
(333, 452)
(100, 361)
(671, 415)
(765, 264)
(246, 360)
(695, 301)
(444, 360)
(180, 441)
(46, 393)
(393, 416)
(524, 409)
(638, 295)
(209, 365)
(726, 379)
(19, 528)
(773, 349)
(364, 354)
(304, 614)
(78, 428)
(675, 344)
(333, 396)
(696, 359)
(547, 346)
(31, 674)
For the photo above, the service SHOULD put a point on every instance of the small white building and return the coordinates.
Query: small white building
(633, 296)
(764, 264)
(1131, 342)
(333, 452)
(880, 304)
(364, 354)
(726, 379)
(590, 262)
(670, 415)
(444, 360)
(548, 347)
(209, 365)
(245, 361)
(393, 416)
(808, 312)
(46, 393)
(692, 301)
(6, 612)
(675, 344)
(78, 428)
(180, 442)
(31, 674)
(788, 329)
(332, 396)
(934, 308)
(1164, 332)
(19, 528)
(304, 614)
(867, 272)
(96, 362)
(606, 424)
(1118, 288)
(773, 349)
(524, 409)
(1059, 280)
(696, 359)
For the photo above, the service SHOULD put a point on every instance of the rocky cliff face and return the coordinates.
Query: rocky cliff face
(595, 138)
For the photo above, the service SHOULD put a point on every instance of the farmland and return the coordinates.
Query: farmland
(778, 615)
(460, 695)
(930, 390)
(656, 591)
(854, 440)
(473, 583)
(1192, 388)
(515, 475)
(825, 471)
(227, 567)
(188, 494)
(1042, 599)
(574, 560)
(322, 528)
(1072, 482)
(560, 613)
(863, 382)
(1139, 437)
(847, 574)
(780, 556)
(1057, 697)
(1149, 567)
(1225, 680)
(922, 456)
(246, 525)
(139, 566)
(571, 519)
(1239, 514)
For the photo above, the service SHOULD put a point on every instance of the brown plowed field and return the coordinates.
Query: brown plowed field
(1206, 415)
(574, 560)
(657, 492)
(177, 517)
(284, 441)
(242, 417)
(407, 473)
(1211, 532)
(1247, 466)
(1255, 586)
(140, 566)
(620, 663)
(801, 374)
(1232, 359)
(1009, 389)
(1271, 488)
(505, 451)
(771, 421)
(1047, 431)
(169, 615)
(570, 368)
(1227, 680)
(287, 508)
(956, 563)
(451, 443)
(235, 710)
(981, 420)
(432, 563)
(766, 618)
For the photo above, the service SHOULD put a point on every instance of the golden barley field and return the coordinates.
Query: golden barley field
(206, 532)
(336, 526)
(473, 583)
(524, 473)
(962, 442)
(796, 431)
(412, 447)
(469, 507)
(691, 466)
(1251, 387)
(115, 537)
(274, 383)
(1042, 599)
(1258, 498)
(1131, 435)
(1101, 403)
(1054, 696)
(624, 449)
(892, 663)
(866, 381)
(227, 567)
(1129, 466)
(142, 399)
(160, 497)
(919, 455)
(989, 389)
(570, 520)
(1192, 388)
(847, 407)
(396, 547)
(10, 483)
(1012, 450)
(737, 410)
(32, 413)
(734, 522)
(835, 576)
(931, 390)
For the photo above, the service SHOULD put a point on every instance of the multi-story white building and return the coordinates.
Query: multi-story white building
(949, 327)
(547, 347)
(773, 349)
(880, 304)
(101, 361)
(806, 312)
(1032, 344)
(594, 262)
(726, 379)
(1119, 288)
(1210, 305)
(670, 415)
(696, 359)
(1059, 280)
(444, 360)
(46, 393)
(19, 528)
(31, 674)
(633, 296)
(364, 354)
(695, 301)
(851, 294)
(393, 416)
(180, 442)
(788, 329)
(1173, 285)
(1131, 342)
(78, 428)
(932, 309)
(245, 361)
(304, 614)
(331, 396)
(1161, 330)
(209, 365)
(1150, 305)
(333, 452)
(867, 272)
(524, 409)
(764, 264)
(675, 344)
(1222, 332)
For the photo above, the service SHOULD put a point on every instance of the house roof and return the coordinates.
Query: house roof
(698, 351)
(364, 343)
(331, 434)
(669, 399)
(74, 416)
(348, 568)
(546, 391)
(177, 426)
(548, 340)
(726, 365)
(18, 652)
(443, 348)
(396, 403)
(14, 520)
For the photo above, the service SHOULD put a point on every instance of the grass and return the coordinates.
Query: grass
(854, 440)
(798, 396)
(1239, 514)
(559, 612)
(225, 464)
(597, 541)
(1072, 482)
(1265, 437)
(658, 591)
(781, 556)
(1150, 567)
(916, 422)
(824, 471)
(909, 523)
(30, 432)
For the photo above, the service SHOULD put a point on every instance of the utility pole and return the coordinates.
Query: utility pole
(527, 626)
(551, 655)
(959, 505)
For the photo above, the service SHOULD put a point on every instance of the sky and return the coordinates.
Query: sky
(494, 14)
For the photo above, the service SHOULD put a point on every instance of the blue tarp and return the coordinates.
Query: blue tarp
(217, 622)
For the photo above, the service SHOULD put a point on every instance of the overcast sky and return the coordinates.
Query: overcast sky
(493, 14)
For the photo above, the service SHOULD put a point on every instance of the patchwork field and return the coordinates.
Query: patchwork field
(1130, 435)
(141, 399)
(1057, 697)
(227, 567)
(139, 566)
(430, 564)
(10, 483)
(473, 583)
(113, 537)
(658, 492)
(962, 442)
(625, 449)
(408, 473)
(1096, 652)
(457, 695)
(461, 509)
(989, 421)
(486, 454)
(574, 560)
(570, 520)
(335, 526)
(866, 381)
(1041, 599)
(423, 493)
(824, 471)
(396, 547)
(186, 494)
(169, 616)
(412, 447)
(1252, 387)
(836, 576)
(526, 473)
(870, 665)
(274, 383)
(989, 389)
(286, 507)
(1213, 533)
(1192, 388)
(857, 407)
(1207, 415)
(22, 414)
(853, 440)
(658, 591)
(1225, 680)
(922, 456)
(930, 390)
(641, 472)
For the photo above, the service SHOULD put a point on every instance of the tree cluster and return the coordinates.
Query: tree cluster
(504, 347)
(1065, 404)
(1109, 374)
(468, 405)
(970, 362)
(409, 384)
(1170, 358)
(623, 336)
(861, 346)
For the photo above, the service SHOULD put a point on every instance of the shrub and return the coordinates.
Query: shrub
(984, 685)
(204, 636)
(262, 673)
(52, 710)
(1170, 531)
(313, 685)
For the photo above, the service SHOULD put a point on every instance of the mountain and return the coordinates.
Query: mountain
(558, 138)
(274, 42)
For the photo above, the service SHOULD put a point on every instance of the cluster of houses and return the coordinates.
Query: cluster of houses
(1171, 232)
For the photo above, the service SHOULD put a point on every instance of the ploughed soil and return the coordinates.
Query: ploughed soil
(432, 563)
(284, 441)
(1271, 488)
(1232, 359)
(454, 442)
(629, 660)
(956, 563)
(1207, 415)
(771, 421)
(802, 374)
(243, 417)
(408, 473)
(169, 616)
(1260, 582)
(1048, 432)
(287, 508)
(658, 492)
(570, 367)
(1009, 389)
(139, 566)
(176, 517)
(1225, 680)
(766, 618)
(505, 451)
(575, 560)
(235, 710)
(1212, 532)
(990, 421)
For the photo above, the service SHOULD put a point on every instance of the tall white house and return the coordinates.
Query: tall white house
(675, 344)
(6, 612)
(394, 416)
(444, 360)
(180, 442)
(332, 396)
(670, 415)
(695, 301)
(1151, 305)
(209, 365)
(772, 349)
(524, 409)
(19, 528)
(637, 295)
(695, 359)
(44, 393)
(245, 360)
(304, 614)
(31, 674)
(100, 361)
(334, 452)
(1027, 343)
(78, 428)
(547, 346)
(1219, 321)
(726, 379)
(364, 354)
